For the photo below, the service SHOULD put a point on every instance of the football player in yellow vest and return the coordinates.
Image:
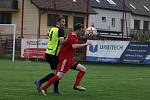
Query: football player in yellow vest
(55, 40)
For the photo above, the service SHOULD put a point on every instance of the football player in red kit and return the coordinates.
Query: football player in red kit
(66, 60)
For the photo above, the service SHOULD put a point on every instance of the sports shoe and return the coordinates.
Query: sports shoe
(56, 92)
(80, 88)
(38, 85)
(43, 92)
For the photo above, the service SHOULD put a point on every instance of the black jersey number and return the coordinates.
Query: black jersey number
(50, 36)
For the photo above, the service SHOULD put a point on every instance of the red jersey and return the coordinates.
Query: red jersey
(67, 51)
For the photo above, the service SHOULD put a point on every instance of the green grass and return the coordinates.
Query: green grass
(103, 82)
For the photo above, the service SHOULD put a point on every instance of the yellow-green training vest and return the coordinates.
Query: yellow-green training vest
(53, 42)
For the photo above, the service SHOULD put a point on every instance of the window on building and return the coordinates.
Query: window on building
(51, 20)
(146, 25)
(113, 22)
(78, 20)
(1, 3)
(137, 24)
(5, 18)
(103, 19)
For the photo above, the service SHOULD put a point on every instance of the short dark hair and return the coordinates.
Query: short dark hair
(59, 17)
(78, 26)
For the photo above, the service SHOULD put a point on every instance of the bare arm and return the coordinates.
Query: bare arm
(62, 40)
(75, 46)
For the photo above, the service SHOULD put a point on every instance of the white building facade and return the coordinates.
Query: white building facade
(109, 16)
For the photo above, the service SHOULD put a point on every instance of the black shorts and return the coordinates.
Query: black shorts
(74, 67)
(52, 60)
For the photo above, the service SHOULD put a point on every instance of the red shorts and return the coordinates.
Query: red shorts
(65, 64)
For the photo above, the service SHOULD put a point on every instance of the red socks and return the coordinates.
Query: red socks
(79, 77)
(50, 82)
(56, 78)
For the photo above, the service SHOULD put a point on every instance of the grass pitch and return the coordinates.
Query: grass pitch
(103, 82)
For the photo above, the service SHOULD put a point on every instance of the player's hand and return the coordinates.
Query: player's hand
(88, 43)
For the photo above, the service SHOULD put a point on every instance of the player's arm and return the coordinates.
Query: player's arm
(72, 41)
(75, 46)
(62, 40)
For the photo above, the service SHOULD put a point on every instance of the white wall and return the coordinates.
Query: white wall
(141, 18)
(109, 14)
(31, 19)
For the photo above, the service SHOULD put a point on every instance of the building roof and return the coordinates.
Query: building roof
(63, 5)
(109, 4)
(138, 7)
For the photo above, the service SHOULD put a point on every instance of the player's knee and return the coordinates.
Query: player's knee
(60, 74)
(84, 69)
(81, 68)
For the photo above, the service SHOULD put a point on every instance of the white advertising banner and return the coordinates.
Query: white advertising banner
(30, 49)
(105, 51)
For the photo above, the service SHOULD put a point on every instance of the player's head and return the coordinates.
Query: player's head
(60, 20)
(78, 28)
